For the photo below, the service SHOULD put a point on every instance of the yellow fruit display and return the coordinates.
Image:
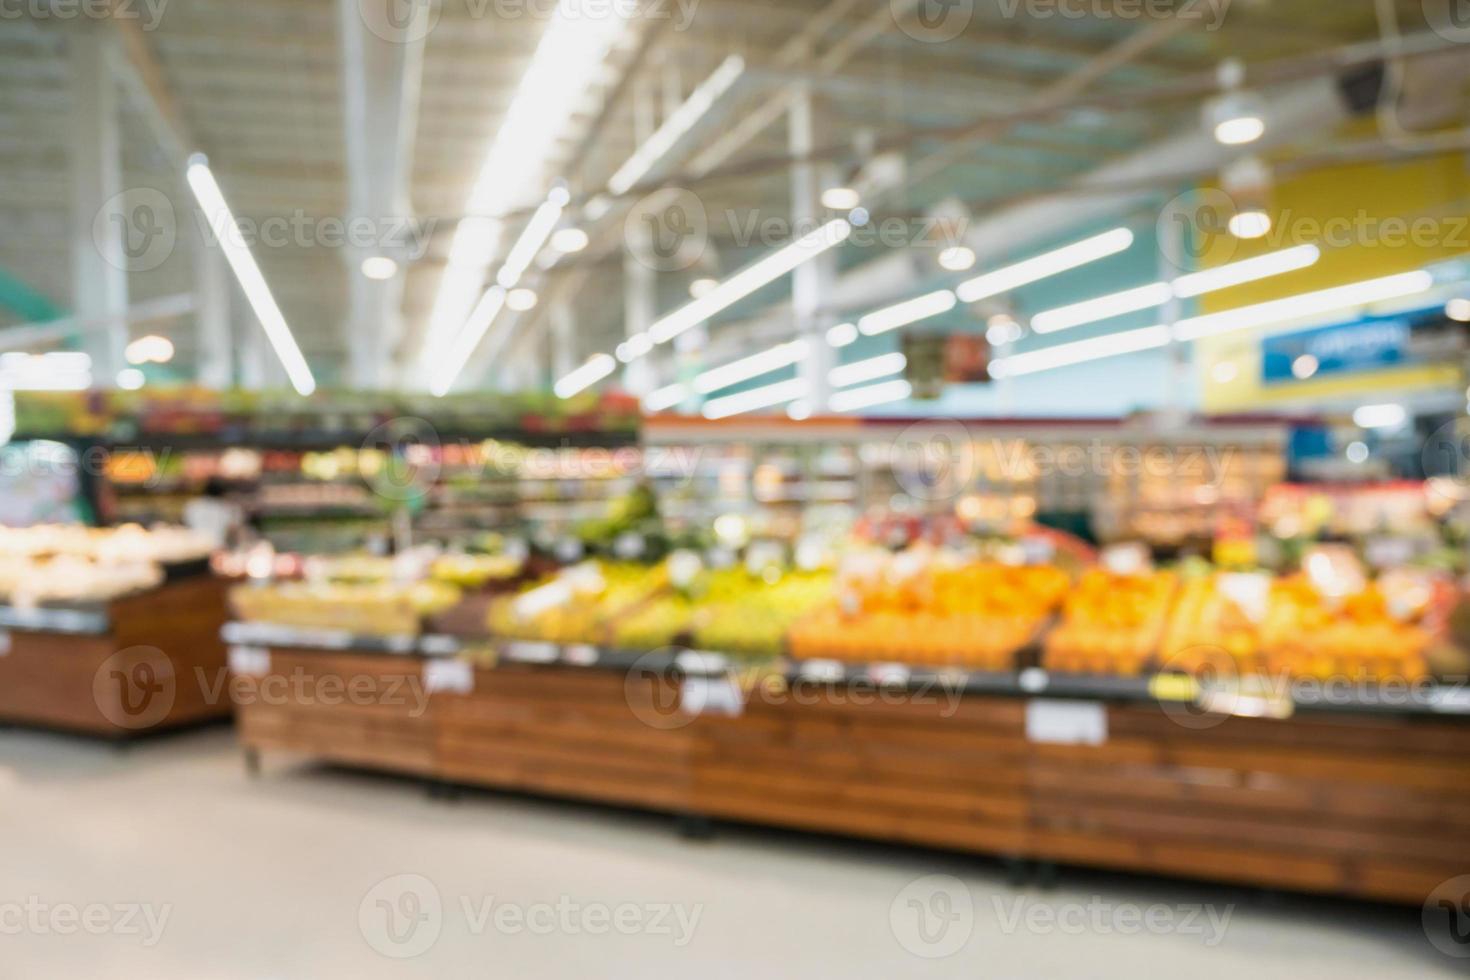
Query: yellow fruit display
(976, 616)
(1111, 624)
(1207, 625)
(577, 605)
(1306, 636)
(749, 616)
(372, 610)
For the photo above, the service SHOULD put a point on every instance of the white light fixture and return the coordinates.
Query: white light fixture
(634, 347)
(680, 122)
(1304, 367)
(1357, 452)
(1389, 416)
(151, 349)
(463, 345)
(568, 58)
(130, 379)
(841, 198)
(533, 238)
(1193, 284)
(1002, 329)
(1240, 130)
(1044, 265)
(247, 273)
(379, 267)
(1305, 305)
(842, 334)
(569, 240)
(957, 258)
(1458, 309)
(1102, 308)
(1246, 270)
(702, 287)
(909, 311)
(1250, 223)
(665, 398)
(854, 399)
(799, 411)
(749, 279)
(1096, 348)
(756, 398)
(871, 369)
(1224, 372)
(780, 356)
(521, 300)
(597, 367)
(54, 371)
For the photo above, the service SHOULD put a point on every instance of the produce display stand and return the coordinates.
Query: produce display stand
(1367, 797)
(134, 666)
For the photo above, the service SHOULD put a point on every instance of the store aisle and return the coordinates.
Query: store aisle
(167, 861)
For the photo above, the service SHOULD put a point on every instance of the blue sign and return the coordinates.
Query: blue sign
(1364, 345)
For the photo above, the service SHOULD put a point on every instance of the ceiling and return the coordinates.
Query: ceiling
(259, 88)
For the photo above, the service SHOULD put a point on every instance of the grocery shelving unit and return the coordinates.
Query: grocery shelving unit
(1365, 797)
(134, 666)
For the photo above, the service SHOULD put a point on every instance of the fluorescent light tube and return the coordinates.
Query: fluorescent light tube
(1102, 308)
(247, 273)
(756, 398)
(683, 119)
(475, 328)
(842, 334)
(598, 366)
(909, 311)
(1095, 348)
(1246, 270)
(880, 394)
(1388, 416)
(780, 356)
(869, 370)
(533, 238)
(749, 279)
(1045, 265)
(1304, 305)
(666, 397)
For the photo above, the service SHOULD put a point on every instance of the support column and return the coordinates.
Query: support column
(212, 288)
(813, 280)
(99, 258)
(563, 338)
(1176, 407)
(640, 309)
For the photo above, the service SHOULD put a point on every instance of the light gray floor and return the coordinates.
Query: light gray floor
(282, 877)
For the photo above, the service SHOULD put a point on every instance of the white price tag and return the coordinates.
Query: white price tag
(451, 676)
(889, 675)
(250, 661)
(1250, 591)
(4, 643)
(1053, 722)
(825, 671)
(629, 545)
(1132, 558)
(580, 655)
(684, 567)
(569, 550)
(711, 695)
(532, 653)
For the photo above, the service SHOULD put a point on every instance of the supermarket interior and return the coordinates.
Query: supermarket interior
(921, 488)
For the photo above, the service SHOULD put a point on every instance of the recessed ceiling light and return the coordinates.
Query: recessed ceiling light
(1250, 224)
(957, 258)
(568, 240)
(521, 300)
(379, 267)
(841, 198)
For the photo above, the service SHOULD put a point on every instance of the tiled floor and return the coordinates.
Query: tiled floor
(166, 861)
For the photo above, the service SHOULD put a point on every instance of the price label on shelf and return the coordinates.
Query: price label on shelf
(1131, 558)
(4, 643)
(580, 655)
(718, 694)
(824, 671)
(250, 661)
(449, 676)
(532, 653)
(889, 675)
(1053, 722)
